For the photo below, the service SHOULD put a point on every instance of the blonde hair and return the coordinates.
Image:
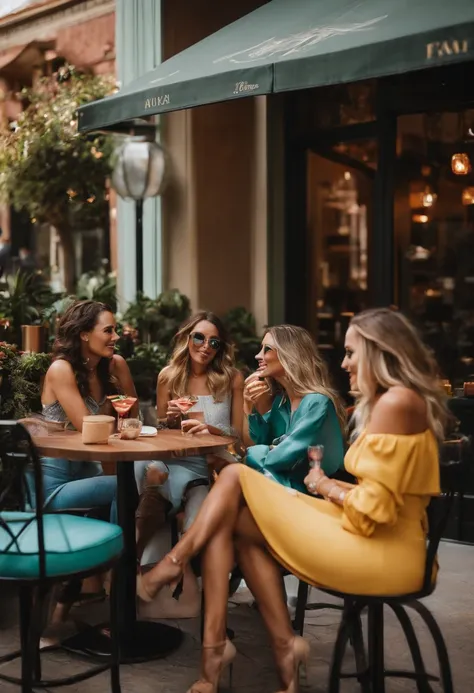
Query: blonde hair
(220, 371)
(305, 370)
(392, 354)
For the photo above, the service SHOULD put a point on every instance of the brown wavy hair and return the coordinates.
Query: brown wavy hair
(80, 317)
(220, 371)
(304, 368)
(392, 353)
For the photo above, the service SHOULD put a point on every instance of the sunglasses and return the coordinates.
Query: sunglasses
(199, 340)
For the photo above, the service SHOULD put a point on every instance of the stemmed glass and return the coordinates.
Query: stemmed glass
(185, 403)
(315, 456)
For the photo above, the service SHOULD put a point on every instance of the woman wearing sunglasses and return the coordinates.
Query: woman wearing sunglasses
(202, 365)
(306, 411)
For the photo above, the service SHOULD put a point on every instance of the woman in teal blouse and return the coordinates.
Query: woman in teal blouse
(289, 406)
(282, 439)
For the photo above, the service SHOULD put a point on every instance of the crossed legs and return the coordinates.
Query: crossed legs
(222, 523)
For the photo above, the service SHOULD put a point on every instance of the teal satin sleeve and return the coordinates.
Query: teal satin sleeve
(260, 429)
(314, 423)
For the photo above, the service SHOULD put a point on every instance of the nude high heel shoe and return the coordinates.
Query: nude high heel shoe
(301, 652)
(226, 650)
(174, 579)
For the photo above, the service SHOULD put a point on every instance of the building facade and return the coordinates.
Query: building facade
(36, 37)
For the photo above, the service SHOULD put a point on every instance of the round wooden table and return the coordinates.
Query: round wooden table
(139, 640)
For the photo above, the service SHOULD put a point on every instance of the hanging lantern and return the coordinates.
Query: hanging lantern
(460, 164)
(428, 197)
(139, 170)
(421, 195)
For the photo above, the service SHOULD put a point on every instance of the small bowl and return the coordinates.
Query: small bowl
(131, 429)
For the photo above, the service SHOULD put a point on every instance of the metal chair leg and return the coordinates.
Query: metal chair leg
(446, 678)
(356, 638)
(301, 600)
(27, 651)
(114, 636)
(376, 648)
(338, 656)
(421, 675)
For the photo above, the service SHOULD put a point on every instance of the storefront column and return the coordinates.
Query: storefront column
(138, 42)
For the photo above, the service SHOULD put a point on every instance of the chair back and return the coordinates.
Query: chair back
(17, 455)
(454, 459)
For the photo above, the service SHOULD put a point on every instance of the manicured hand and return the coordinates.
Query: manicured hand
(313, 479)
(173, 409)
(194, 426)
(255, 392)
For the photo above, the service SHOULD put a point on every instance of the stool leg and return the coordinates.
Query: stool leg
(301, 601)
(338, 656)
(421, 683)
(357, 639)
(376, 648)
(446, 678)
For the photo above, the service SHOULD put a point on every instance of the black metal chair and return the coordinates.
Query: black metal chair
(39, 550)
(370, 667)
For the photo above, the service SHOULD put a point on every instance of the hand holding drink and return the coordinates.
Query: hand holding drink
(178, 408)
(315, 456)
(256, 394)
(316, 473)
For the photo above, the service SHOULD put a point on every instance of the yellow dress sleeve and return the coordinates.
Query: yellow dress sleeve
(387, 467)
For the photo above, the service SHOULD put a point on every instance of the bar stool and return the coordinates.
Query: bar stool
(370, 667)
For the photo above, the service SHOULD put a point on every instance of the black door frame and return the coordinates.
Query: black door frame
(297, 268)
(395, 97)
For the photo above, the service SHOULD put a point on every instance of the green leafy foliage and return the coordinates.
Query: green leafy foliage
(157, 320)
(241, 327)
(23, 300)
(98, 286)
(21, 382)
(145, 364)
(50, 170)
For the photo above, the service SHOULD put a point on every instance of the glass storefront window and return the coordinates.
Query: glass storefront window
(339, 216)
(434, 234)
(335, 106)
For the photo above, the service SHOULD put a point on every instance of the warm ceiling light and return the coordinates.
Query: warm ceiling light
(460, 164)
(468, 196)
(428, 198)
(420, 218)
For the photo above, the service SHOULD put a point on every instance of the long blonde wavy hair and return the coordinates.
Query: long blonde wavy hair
(220, 371)
(305, 370)
(390, 353)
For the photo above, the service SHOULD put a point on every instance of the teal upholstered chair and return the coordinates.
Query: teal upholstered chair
(38, 550)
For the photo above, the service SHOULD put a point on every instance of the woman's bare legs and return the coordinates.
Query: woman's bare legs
(264, 578)
(216, 563)
(152, 509)
(218, 514)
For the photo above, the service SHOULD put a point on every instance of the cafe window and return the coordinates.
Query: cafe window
(434, 234)
(334, 106)
(339, 224)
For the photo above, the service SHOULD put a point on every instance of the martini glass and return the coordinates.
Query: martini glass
(185, 403)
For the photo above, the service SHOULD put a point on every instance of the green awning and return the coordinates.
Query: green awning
(297, 44)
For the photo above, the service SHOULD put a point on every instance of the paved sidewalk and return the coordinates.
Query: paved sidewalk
(452, 604)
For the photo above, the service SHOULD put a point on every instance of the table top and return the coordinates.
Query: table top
(166, 444)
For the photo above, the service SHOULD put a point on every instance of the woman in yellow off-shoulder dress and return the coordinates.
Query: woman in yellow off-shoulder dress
(371, 538)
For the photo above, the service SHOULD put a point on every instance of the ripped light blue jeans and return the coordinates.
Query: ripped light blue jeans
(180, 473)
(79, 485)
